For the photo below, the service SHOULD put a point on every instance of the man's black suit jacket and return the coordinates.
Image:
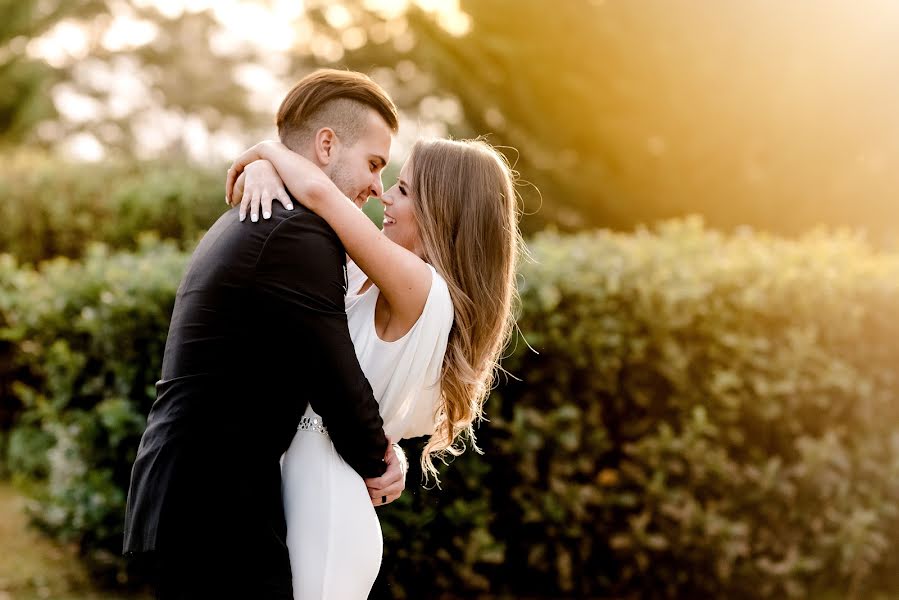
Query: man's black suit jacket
(258, 331)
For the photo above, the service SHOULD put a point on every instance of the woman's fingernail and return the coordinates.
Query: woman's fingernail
(290, 207)
(242, 218)
(266, 215)
(254, 217)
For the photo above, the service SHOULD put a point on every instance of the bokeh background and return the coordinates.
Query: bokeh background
(702, 396)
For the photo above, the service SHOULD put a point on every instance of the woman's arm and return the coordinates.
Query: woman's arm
(403, 278)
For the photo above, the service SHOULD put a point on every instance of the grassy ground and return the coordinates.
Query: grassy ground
(33, 567)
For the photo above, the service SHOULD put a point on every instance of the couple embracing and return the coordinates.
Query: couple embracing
(304, 344)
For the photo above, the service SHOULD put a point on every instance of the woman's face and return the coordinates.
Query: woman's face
(400, 226)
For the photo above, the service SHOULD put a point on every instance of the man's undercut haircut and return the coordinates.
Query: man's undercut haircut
(335, 99)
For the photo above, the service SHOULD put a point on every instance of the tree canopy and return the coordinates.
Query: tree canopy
(775, 116)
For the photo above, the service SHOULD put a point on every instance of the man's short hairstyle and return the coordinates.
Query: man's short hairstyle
(335, 99)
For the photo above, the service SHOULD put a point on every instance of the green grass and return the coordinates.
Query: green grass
(33, 567)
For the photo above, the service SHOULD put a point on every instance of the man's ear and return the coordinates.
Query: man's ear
(326, 143)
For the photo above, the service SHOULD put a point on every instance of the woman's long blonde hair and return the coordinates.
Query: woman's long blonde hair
(466, 207)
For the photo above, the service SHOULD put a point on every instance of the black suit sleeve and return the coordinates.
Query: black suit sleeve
(300, 276)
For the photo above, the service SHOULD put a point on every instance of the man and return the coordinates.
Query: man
(204, 507)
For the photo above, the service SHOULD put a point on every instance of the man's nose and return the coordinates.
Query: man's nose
(377, 188)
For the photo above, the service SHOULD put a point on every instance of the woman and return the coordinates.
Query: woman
(429, 307)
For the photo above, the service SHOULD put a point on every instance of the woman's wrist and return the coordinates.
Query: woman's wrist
(263, 150)
(261, 165)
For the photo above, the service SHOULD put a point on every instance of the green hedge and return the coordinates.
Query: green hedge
(708, 416)
(88, 338)
(704, 416)
(55, 208)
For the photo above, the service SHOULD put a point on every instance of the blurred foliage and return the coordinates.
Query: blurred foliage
(776, 116)
(88, 341)
(56, 208)
(24, 81)
(708, 416)
(133, 90)
(620, 113)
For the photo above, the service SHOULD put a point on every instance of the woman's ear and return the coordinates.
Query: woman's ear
(326, 143)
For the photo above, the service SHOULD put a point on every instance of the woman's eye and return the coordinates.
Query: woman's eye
(374, 166)
(402, 190)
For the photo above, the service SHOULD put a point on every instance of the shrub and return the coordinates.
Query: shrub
(705, 416)
(55, 208)
(89, 340)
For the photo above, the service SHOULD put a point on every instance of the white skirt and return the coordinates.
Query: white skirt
(333, 533)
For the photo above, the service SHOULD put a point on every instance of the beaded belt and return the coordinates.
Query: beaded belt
(312, 424)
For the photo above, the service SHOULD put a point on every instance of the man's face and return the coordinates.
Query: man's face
(357, 170)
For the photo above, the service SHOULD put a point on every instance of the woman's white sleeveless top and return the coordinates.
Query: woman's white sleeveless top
(333, 533)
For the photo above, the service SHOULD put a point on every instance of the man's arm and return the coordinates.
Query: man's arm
(301, 279)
